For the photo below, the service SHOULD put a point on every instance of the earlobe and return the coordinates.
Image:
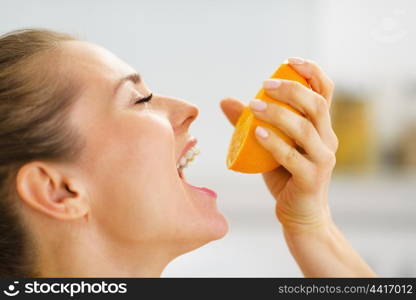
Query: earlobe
(45, 188)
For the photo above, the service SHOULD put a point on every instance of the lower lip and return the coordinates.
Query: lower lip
(203, 190)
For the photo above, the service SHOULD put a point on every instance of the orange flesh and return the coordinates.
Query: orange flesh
(245, 153)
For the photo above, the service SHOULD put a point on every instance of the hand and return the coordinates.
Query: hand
(300, 184)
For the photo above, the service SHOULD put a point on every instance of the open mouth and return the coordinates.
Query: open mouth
(188, 155)
(186, 159)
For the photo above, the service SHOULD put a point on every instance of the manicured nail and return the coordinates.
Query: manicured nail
(296, 60)
(261, 132)
(258, 105)
(272, 83)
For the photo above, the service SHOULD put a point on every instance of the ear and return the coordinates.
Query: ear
(45, 187)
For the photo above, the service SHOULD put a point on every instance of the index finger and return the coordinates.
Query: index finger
(316, 77)
(232, 108)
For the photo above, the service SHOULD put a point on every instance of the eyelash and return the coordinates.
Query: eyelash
(145, 99)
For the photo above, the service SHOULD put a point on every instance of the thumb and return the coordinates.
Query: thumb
(232, 108)
(276, 180)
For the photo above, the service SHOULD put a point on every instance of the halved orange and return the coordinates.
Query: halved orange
(245, 153)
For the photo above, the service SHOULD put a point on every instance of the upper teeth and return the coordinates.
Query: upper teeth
(187, 157)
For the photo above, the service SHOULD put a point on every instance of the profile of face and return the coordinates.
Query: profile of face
(131, 189)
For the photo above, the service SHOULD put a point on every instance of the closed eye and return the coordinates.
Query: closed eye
(145, 99)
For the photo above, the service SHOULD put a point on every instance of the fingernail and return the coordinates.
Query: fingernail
(261, 132)
(272, 83)
(296, 60)
(258, 105)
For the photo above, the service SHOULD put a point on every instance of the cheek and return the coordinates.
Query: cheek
(133, 180)
(131, 144)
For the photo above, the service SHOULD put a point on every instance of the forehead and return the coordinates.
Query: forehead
(93, 62)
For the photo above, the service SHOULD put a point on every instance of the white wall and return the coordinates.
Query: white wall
(369, 46)
(202, 51)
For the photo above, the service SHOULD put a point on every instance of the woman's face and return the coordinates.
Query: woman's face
(129, 164)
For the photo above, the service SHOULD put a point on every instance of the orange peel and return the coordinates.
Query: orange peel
(245, 153)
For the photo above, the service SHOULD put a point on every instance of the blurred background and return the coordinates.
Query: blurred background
(203, 51)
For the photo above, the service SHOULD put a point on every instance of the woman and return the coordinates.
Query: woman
(85, 147)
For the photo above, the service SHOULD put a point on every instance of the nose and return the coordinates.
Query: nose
(181, 113)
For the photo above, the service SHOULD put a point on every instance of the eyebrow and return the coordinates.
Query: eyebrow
(134, 77)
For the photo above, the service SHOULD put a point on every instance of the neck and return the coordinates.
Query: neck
(85, 256)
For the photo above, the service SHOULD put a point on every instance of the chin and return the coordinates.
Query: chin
(220, 228)
(215, 229)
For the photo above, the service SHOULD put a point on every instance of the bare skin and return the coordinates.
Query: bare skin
(121, 209)
(106, 215)
(300, 185)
